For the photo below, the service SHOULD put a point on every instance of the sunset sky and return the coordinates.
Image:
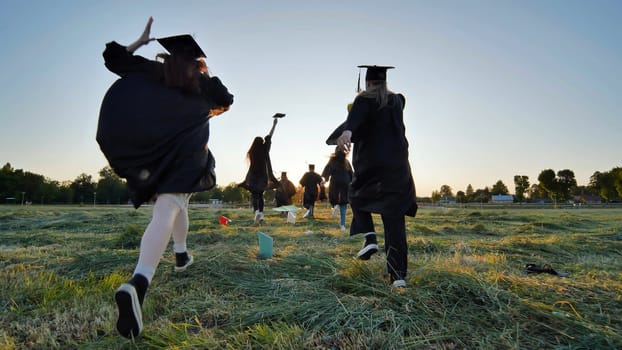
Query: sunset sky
(493, 88)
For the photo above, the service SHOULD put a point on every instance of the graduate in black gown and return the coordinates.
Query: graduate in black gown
(312, 183)
(338, 172)
(382, 181)
(285, 191)
(259, 176)
(153, 129)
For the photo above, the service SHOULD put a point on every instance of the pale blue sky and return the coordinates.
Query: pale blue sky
(494, 88)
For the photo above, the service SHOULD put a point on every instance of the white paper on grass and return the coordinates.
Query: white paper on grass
(291, 217)
(288, 208)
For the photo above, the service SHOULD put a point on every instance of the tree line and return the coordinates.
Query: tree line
(23, 187)
(560, 186)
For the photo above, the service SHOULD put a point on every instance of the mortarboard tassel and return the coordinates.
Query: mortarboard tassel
(358, 88)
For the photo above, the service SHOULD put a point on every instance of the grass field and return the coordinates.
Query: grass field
(467, 287)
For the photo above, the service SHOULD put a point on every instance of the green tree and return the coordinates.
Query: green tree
(607, 184)
(232, 193)
(436, 196)
(83, 189)
(7, 182)
(204, 197)
(617, 180)
(482, 195)
(51, 192)
(548, 183)
(461, 197)
(446, 191)
(565, 183)
(66, 193)
(536, 192)
(111, 189)
(521, 186)
(499, 188)
(469, 193)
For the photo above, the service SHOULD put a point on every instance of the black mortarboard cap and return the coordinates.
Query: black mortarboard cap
(278, 115)
(376, 72)
(182, 44)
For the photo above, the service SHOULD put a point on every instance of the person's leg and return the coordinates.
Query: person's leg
(130, 295)
(260, 205)
(153, 243)
(342, 213)
(257, 200)
(362, 222)
(307, 203)
(260, 202)
(395, 246)
(180, 234)
(333, 199)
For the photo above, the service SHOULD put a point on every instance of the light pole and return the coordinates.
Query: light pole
(23, 193)
(94, 198)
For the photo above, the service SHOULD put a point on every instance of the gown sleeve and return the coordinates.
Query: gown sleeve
(213, 89)
(121, 62)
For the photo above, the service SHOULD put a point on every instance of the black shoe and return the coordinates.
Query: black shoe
(367, 251)
(182, 261)
(130, 321)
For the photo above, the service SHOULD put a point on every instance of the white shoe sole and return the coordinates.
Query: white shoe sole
(367, 252)
(188, 263)
(399, 284)
(130, 321)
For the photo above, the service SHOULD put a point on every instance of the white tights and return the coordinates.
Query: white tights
(170, 216)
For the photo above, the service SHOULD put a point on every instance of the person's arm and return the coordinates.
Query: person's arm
(326, 172)
(356, 117)
(144, 38)
(273, 127)
(120, 59)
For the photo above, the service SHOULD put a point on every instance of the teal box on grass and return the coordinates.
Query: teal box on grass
(265, 245)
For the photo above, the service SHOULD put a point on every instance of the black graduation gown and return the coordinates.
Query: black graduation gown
(152, 135)
(260, 176)
(284, 192)
(310, 181)
(340, 176)
(382, 181)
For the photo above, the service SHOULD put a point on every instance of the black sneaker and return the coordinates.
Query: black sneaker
(182, 261)
(130, 322)
(367, 251)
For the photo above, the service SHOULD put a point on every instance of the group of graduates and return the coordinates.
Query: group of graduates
(260, 177)
(154, 128)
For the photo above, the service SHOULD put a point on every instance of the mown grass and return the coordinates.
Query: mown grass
(467, 289)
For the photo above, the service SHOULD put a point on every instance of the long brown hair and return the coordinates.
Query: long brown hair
(183, 72)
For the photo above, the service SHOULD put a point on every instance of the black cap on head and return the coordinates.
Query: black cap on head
(182, 44)
(278, 115)
(376, 72)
